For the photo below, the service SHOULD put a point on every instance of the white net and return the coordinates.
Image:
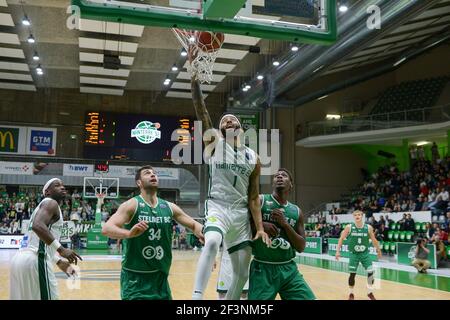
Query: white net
(202, 48)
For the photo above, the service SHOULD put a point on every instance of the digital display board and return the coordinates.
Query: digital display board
(111, 135)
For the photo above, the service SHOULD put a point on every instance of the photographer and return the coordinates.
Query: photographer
(421, 262)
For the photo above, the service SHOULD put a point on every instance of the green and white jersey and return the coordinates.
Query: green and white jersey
(281, 250)
(152, 250)
(229, 174)
(33, 242)
(358, 238)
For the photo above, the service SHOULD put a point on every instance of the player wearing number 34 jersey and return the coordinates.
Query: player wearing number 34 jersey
(145, 224)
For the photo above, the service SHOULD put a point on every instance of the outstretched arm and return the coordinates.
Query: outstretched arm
(185, 220)
(199, 105)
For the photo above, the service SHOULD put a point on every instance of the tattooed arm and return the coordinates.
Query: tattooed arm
(200, 107)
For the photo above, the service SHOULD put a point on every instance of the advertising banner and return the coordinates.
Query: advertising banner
(41, 141)
(10, 241)
(421, 216)
(129, 172)
(12, 139)
(21, 168)
(313, 245)
(332, 246)
(78, 170)
(406, 252)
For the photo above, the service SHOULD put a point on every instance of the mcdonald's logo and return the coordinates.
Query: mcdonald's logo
(9, 139)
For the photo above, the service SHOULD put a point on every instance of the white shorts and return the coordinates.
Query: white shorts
(225, 274)
(32, 277)
(232, 223)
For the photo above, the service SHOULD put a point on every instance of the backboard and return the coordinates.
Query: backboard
(309, 21)
(94, 185)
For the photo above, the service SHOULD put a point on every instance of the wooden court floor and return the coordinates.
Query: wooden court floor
(100, 280)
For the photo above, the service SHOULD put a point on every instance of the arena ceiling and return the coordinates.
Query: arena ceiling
(74, 58)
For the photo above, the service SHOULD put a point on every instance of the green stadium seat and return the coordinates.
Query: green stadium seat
(397, 226)
(392, 226)
(418, 227)
(409, 236)
(424, 226)
(392, 247)
(396, 235)
(390, 235)
(386, 245)
(448, 251)
(402, 236)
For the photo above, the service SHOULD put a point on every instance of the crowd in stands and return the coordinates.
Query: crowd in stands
(16, 207)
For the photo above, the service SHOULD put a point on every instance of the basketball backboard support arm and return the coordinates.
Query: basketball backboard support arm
(325, 32)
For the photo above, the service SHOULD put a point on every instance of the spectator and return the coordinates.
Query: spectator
(421, 262)
(429, 231)
(373, 222)
(434, 153)
(409, 224)
(4, 228)
(440, 246)
(401, 222)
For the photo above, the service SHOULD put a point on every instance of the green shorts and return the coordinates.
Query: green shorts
(144, 286)
(266, 280)
(356, 258)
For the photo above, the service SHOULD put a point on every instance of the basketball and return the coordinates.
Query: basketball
(209, 41)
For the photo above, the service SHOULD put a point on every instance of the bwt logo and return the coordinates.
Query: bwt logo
(42, 140)
(78, 168)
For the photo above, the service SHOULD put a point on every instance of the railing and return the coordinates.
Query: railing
(380, 121)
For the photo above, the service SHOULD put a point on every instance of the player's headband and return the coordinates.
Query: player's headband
(230, 115)
(47, 185)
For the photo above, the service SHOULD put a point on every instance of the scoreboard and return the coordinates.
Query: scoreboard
(109, 135)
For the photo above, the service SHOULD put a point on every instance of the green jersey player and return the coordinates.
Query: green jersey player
(145, 224)
(358, 234)
(273, 269)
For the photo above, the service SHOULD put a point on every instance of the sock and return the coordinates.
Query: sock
(213, 240)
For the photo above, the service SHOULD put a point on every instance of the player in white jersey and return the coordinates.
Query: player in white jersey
(234, 191)
(31, 276)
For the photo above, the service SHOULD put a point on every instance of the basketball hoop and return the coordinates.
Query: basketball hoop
(202, 48)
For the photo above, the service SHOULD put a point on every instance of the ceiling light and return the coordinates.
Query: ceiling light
(318, 69)
(39, 69)
(260, 77)
(400, 61)
(174, 68)
(294, 48)
(248, 87)
(26, 21)
(422, 143)
(276, 63)
(36, 57)
(333, 117)
(31, 39)
(184, 53)
(191, 39)
(323, 97)
(343, 8)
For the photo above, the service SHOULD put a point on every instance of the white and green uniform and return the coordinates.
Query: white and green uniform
(273, 269)
(32, 276)
(146, 259)
(227, 204)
